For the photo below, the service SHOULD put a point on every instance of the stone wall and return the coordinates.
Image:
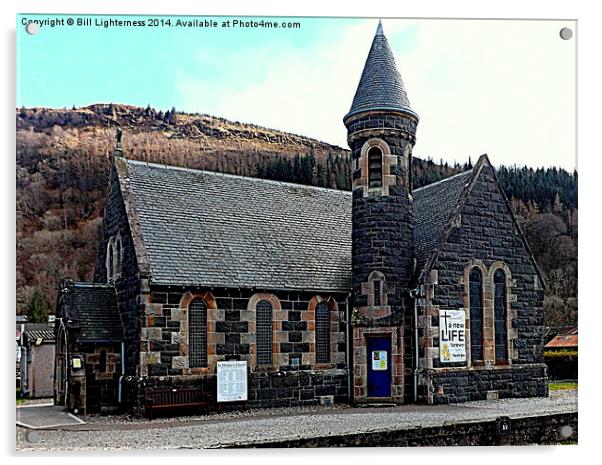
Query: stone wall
(485, 236)
(462, 385)
(544, 429)
(294, 378)
(231, 330)
(102, 379)
(284, 388)
(130, 283)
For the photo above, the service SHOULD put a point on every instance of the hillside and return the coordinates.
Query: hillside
(63, 161)
(191, 133)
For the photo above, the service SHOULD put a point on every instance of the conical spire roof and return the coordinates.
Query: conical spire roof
(380, 87)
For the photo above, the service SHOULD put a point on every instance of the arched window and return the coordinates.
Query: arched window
(197, 334)
(499, 305)
(476, 315)
(322, 333)
(118, 257)
(378, 297)
(103, 361)
(375, 167)
(407, 155)
(110, 261)
(377, 292)
(264, 332)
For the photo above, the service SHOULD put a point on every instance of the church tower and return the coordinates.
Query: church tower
(381, 130)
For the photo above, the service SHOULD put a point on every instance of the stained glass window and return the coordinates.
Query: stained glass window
(264, 332)
(499, 303)
(322, 333)
(197, 334)
(476, 315)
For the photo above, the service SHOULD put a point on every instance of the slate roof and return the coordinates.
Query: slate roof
(380, 86)
(213, 229)
(96, 312)
(33, 332)
(433, 207)
(204, 228)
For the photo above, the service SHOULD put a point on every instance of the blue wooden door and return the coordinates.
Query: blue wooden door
(379, 366)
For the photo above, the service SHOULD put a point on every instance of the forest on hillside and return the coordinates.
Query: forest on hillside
(63, 162)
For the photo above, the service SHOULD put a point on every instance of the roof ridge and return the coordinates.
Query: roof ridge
(444, 180)
(466, 191)
(86, 284)
(236, 176)
(459, 202)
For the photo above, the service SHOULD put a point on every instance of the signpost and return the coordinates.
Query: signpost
(231, 381)
(452, 336)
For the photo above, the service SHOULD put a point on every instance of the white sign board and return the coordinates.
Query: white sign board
(452, 336)
(231, 381)
(379, 360)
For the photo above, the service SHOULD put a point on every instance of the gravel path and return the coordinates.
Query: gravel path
(239, 428)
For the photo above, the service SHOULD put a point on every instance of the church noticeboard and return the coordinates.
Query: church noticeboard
(231, 381)
(379, 360)
(452, 336)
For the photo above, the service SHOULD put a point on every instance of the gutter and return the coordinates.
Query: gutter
(120, 385)
(23, 360)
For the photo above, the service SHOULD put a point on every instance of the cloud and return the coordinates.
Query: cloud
(303, 90)
(505, 88)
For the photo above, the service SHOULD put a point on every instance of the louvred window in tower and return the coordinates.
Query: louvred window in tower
(375, 167)
(377, 293)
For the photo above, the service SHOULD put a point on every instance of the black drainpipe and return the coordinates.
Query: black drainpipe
(349, 354)
(413, 294)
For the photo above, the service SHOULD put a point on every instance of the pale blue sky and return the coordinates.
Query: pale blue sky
(64, 66)
(505, 88)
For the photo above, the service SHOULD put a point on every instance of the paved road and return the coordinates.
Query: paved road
(114, 433)
(35, 416)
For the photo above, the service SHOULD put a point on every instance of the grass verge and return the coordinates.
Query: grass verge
(562, 385)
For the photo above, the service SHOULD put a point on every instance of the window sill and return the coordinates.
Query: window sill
(264, 368)
(201, 371)
(324, 366)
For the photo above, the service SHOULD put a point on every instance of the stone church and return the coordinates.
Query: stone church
(382, 294)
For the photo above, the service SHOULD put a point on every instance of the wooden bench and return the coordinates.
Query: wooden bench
(173, 399)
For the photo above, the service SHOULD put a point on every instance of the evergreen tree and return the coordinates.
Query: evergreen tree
(37, 310)
(557, 207)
